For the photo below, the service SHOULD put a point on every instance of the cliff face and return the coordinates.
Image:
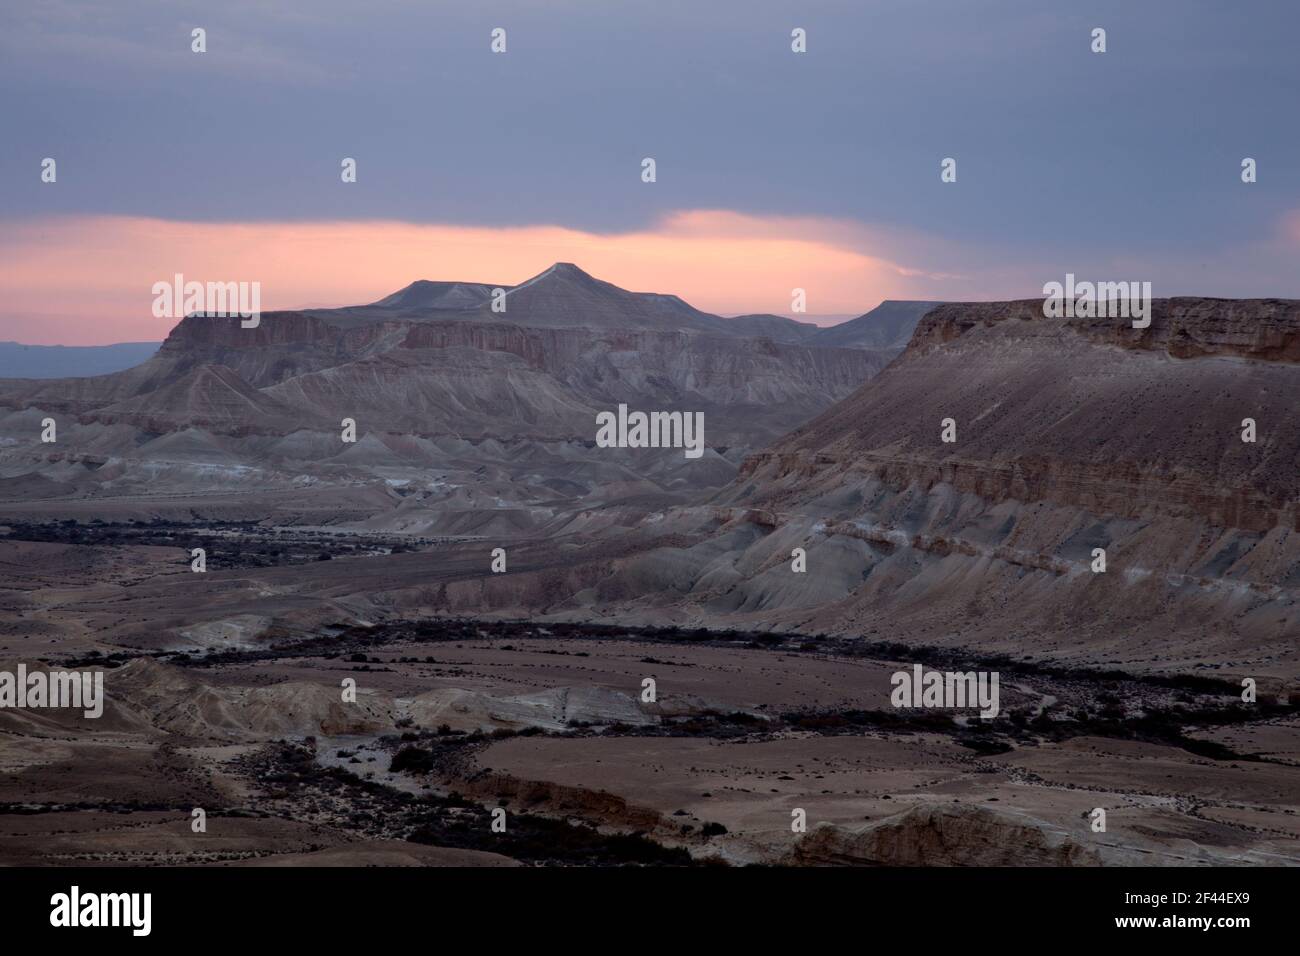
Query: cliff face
(435, 359)
(439, 384)
(463, 377)
(1072, 438)
(1085, 412)
(1186, 327)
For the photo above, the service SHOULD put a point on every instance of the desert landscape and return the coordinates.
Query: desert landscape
(519, 683)
(843, 452)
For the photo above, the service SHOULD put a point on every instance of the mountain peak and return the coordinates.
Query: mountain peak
(563, 270)
(568, 268)
(429, 294)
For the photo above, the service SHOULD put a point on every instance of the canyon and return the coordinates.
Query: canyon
(1119, 689)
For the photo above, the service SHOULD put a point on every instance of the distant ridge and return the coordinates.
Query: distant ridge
(425, 294)
(438, 362)
(71, 361)
(887, 326)
(566, 296)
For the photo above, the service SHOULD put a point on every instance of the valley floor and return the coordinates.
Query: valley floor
(457, 718)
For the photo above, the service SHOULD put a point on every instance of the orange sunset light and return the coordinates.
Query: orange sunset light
(88, 280)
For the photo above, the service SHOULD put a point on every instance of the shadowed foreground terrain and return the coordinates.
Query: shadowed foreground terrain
(457, 717)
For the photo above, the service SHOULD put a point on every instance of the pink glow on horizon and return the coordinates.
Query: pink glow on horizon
(88, 280)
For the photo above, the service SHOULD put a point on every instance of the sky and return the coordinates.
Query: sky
(775, 170)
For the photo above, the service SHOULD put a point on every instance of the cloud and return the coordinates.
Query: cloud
(57, 37)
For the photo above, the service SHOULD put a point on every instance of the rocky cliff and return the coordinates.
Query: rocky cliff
(1072, 440)
(447, 393)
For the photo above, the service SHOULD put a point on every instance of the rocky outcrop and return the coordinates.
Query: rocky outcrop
(1184, 327)
(553, 710)
(942, 836)
(147, 697)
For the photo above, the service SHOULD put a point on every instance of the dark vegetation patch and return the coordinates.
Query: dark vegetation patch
(713, 724)
(1158, 725)
(349, 639)
(228, 544)
(290, 775)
